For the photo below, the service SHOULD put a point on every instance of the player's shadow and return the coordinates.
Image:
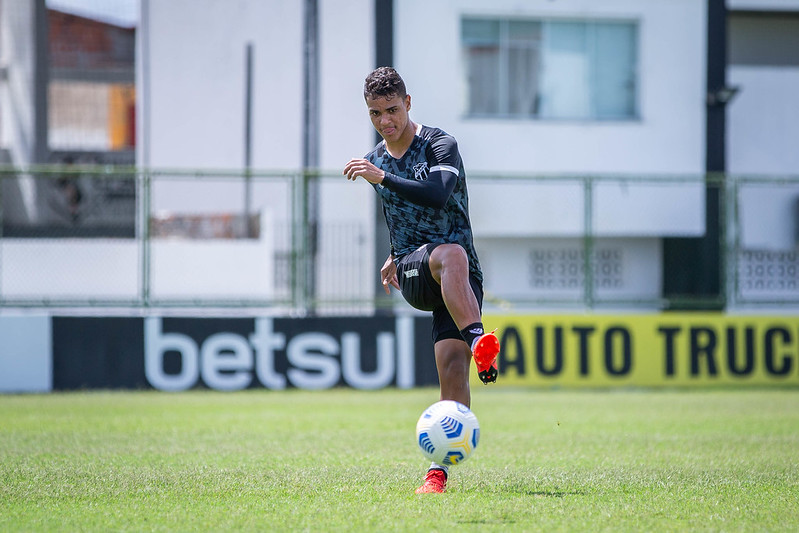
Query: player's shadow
(525, 491)
(550, 493)
(541, 493)
(522, 488)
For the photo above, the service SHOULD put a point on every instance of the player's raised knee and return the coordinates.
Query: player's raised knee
(447, 253)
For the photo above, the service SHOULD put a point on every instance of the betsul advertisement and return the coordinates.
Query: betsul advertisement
(42, 353)
(176, 354)
(649, 350)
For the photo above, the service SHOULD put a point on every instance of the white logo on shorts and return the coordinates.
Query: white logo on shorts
(413, 272)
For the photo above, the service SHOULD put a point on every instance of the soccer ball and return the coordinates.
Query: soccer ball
(447, 432)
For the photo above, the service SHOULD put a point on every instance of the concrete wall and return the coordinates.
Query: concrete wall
(763, 127)
(22, 124)
(84, 270)
(192, 70)
(515, 221)
(764, 5)
(668, 137)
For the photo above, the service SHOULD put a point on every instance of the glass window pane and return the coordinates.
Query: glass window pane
(614, 70)
(523, 64)
(523, 90)
(565, 89)
(474, 31)
(525, 31)
(483, 81)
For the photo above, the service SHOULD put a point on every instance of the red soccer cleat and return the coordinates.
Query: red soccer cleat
(434, 481)
(485, 351)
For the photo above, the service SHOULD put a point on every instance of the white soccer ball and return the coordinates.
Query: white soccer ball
(447, 432)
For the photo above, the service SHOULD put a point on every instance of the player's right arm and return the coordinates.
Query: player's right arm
(365, 169)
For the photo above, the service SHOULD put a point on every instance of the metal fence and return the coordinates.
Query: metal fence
(763, 240)
(299, 242)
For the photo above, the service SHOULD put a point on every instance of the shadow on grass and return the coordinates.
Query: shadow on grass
(538, 493)
(524, 492)
(552, 494)
(484, 521)
(547, 493)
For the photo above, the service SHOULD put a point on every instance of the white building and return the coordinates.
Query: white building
(564, 90)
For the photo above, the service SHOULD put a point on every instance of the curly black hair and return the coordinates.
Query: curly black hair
(384, 82)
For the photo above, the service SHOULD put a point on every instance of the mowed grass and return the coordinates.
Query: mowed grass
(346, 460)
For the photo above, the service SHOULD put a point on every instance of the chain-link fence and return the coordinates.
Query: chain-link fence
(294, 242)
(764, 240)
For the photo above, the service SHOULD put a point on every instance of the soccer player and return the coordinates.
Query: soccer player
(418, 173)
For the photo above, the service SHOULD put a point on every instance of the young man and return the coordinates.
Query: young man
(418, 173)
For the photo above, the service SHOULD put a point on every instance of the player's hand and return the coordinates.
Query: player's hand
(388, 275)
(364, 169)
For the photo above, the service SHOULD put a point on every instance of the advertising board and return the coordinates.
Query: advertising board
(43, 353)
(664, 349)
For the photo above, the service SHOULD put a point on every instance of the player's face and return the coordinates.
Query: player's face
(389, 115)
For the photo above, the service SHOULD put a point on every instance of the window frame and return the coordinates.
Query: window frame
(503, 45)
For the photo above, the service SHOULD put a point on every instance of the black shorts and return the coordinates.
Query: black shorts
(424, 293)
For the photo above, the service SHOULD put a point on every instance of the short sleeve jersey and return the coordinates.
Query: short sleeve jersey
(411, 225)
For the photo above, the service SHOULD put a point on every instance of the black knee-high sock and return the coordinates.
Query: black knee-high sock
(471, 332)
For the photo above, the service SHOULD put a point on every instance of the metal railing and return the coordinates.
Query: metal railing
(110, 236)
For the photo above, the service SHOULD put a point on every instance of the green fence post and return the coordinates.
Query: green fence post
(588, 241)
(145, 179)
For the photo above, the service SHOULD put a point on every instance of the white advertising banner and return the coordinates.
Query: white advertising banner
(26, 363)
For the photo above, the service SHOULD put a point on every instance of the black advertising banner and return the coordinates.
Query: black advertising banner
(177, 353)
(98, 352)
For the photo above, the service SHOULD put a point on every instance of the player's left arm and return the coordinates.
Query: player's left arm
(432, 192)
(444, 160)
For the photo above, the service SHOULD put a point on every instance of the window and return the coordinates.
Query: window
(92, 89)
(550, 68)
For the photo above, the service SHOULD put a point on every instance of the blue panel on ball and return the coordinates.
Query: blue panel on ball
(452, 427)
(425, 443)
(453, 458)
(475, 437)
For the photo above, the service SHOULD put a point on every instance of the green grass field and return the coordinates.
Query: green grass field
(346, 460)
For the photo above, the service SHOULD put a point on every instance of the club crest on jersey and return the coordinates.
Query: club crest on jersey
(420, 171)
